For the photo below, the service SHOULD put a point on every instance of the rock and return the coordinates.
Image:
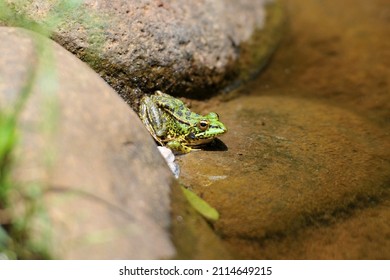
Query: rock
(360, 234)
(90, 182)
(342, 61)
(180, 47)
(289, 164)
(326, 56)
(193, 237)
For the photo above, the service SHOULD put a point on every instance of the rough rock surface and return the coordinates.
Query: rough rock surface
(182, 47)
(99, 187)
(290, 164)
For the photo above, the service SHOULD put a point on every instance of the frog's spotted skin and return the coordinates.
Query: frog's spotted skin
(173, 125)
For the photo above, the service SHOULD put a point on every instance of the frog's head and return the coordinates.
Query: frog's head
(205, 129)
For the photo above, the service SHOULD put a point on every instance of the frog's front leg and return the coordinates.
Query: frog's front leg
(178, 146)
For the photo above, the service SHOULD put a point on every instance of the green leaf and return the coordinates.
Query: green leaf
(7, 135)
(4, 238)
(200, 205)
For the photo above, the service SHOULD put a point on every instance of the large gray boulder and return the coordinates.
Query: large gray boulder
(188, 48)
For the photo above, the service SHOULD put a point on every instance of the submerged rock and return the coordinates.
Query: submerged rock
(188, 48)
(89, 182)
(288, 164)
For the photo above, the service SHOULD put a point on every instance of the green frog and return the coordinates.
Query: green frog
(173, 125)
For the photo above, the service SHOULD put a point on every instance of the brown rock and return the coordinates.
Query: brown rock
(343, 59)
(289, 164)
(181, 47)
(192, 235)
(362, 233)
(89, 181)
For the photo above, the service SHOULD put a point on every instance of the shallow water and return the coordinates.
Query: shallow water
(306, 173)
(336, 52)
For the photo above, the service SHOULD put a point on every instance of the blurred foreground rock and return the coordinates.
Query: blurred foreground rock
(90, 181)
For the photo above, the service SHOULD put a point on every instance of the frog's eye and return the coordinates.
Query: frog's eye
(203, 125)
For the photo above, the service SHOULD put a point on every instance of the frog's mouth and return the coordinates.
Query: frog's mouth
(199, 142)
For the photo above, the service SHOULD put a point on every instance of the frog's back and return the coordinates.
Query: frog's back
(176, 107)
